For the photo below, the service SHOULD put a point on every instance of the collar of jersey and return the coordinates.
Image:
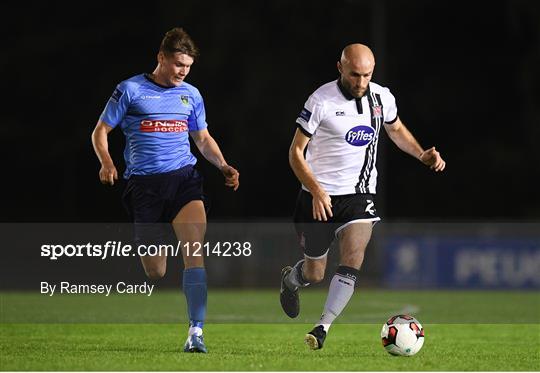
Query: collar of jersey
(147, 76)
(346, 93)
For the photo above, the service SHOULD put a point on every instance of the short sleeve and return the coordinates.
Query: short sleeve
(310, 117)
(117, 106)
(197, 118)
(389, 107)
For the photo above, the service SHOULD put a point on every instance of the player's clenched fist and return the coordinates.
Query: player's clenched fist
(232, 177)
(108, 174)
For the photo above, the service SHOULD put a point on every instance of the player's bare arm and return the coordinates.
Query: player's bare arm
(107, 173)
(210, 150)
(322, 204)
(404, 139)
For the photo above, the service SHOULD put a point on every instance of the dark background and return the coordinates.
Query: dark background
(465, 75)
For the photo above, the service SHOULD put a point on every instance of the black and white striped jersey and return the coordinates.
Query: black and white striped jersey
(344, 133)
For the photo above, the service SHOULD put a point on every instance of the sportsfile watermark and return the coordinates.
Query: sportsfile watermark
(111, 249)
(93, 273)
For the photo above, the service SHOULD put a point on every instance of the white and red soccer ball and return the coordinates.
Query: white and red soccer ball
(402, 335)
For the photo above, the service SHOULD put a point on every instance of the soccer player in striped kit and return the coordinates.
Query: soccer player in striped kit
(156, 112)
(341, 121)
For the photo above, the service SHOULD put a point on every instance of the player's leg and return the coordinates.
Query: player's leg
(145, 206)
(305, 272)
(310, 270)
(190, 228)
(155, 266)
(315, 238)
(313, 269)
(353, 240)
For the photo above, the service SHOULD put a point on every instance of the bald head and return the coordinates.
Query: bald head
(357, 55)
(356, 67)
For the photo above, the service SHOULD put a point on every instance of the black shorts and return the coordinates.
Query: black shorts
(158, 198)
(316, 236)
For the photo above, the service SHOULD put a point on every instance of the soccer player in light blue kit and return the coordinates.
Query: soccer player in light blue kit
(156, 112)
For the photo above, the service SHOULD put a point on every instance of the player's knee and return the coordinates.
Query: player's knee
(155, 273)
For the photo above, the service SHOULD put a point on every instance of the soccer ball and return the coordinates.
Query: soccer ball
(402, 335)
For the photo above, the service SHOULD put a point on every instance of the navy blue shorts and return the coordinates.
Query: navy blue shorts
(315, 236)
(158, 198)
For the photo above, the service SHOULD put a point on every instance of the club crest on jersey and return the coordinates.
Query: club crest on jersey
(377, 112)
(360, 135)
(184, 99)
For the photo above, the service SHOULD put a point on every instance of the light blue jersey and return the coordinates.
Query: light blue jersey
(156, 121)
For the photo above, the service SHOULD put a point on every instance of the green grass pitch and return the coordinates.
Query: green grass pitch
(246, 331)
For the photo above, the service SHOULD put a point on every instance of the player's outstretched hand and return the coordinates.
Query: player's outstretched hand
(108, 174)
(232, 177)
(433, 159)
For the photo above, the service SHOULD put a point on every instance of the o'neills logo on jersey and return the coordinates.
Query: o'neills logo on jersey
(360, 135)
(167, 125)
